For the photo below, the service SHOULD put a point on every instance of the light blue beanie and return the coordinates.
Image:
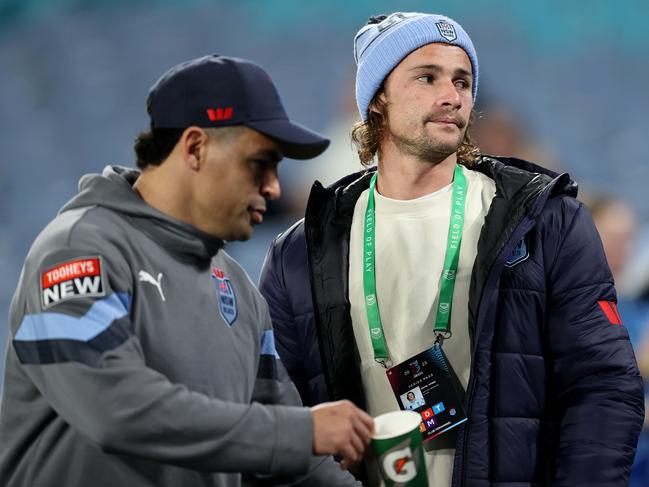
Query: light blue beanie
(379, 47)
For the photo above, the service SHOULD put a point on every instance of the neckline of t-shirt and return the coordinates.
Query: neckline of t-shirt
(420, 206)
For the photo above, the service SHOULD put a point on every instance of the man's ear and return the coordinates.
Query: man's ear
(381, 98)
(194, 147)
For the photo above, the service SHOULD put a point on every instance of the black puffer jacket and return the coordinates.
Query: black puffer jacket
(554, 396)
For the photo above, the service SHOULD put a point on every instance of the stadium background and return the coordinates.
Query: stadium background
(567, 82)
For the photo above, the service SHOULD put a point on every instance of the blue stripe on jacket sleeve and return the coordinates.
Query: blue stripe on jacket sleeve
(268, 344)
(59, 326)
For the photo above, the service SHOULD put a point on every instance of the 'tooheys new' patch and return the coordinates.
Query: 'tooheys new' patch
(73, 278)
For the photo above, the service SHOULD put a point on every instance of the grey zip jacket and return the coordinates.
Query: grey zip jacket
(142, 355)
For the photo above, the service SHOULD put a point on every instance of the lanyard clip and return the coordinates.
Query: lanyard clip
(386, 363)
(443, 336)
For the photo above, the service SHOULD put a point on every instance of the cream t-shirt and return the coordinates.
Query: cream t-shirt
(410, 243)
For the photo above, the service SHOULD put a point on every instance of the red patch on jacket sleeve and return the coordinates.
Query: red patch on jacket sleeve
(610, 310)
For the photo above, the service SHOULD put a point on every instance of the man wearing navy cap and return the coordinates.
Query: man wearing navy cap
(479, 280)
(141, 353)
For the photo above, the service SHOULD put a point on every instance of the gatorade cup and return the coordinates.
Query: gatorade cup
(398, 449)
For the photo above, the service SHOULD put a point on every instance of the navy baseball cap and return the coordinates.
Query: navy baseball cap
(221, 91)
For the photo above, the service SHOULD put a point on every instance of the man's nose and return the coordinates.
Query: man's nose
(449, 95)
(270, 187)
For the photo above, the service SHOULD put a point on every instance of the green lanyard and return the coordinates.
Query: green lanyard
(447, 284)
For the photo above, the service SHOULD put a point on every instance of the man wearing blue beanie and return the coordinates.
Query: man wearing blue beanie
(477, 281)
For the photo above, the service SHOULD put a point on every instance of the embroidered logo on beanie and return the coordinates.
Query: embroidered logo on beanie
(446, 30)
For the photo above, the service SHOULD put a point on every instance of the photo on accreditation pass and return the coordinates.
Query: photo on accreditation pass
(413, 399)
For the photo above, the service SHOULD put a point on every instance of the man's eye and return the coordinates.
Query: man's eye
(462, 84)
(426, 79)
(260, 163)
(259, 168)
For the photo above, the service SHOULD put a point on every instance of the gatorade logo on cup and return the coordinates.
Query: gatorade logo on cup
(397, 447)
(399, 465)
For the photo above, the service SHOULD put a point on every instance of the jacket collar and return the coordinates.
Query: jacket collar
(515, 179)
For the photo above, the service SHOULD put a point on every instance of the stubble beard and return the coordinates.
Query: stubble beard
(426, 148)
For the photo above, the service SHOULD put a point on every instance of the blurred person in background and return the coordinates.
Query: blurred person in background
(142, 355)
(522, 305)
(500, 131)
(339, 159)
(617, 225)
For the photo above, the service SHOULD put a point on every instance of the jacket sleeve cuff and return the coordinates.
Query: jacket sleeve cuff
(294, 440)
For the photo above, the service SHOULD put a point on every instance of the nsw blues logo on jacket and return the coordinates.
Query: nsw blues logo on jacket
(225, 296)
(519, 254)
